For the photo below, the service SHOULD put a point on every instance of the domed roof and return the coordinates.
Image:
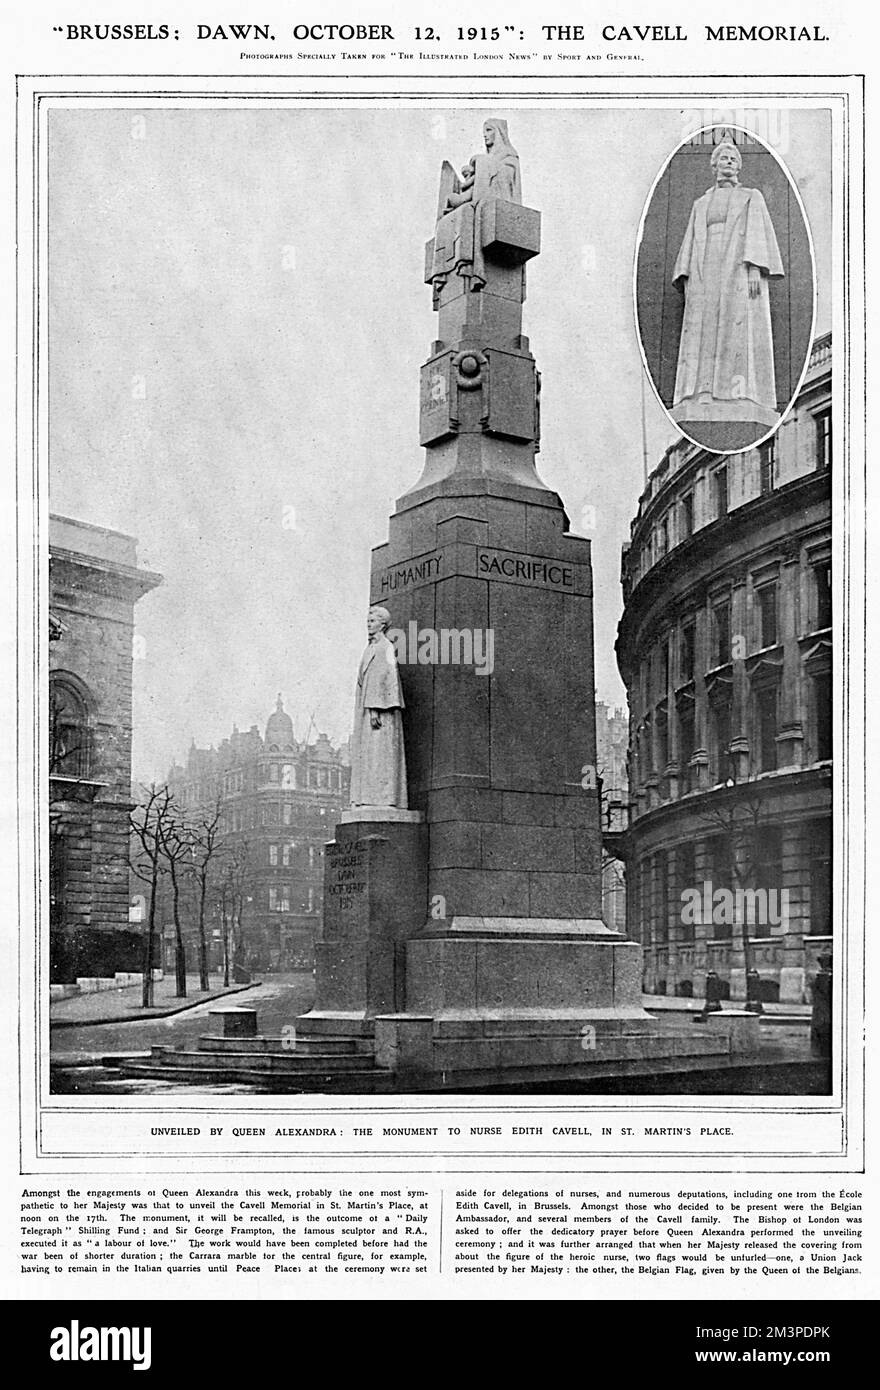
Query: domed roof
(279, 727)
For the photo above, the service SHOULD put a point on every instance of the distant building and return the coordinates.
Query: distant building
(725, 646)
(280, 799)
(612, 740)
(94, 584)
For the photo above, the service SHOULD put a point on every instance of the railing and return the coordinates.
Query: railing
(821, 350)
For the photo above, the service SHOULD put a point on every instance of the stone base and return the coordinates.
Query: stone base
(792, 985)
(235, 1022)
(700, 409)
(742, 1030)
(375, 874)
(526, 968)
(379, 815)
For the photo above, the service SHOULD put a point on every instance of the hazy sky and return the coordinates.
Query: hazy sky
(237, 321)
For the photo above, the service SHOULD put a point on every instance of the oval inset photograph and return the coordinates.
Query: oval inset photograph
(725, 289)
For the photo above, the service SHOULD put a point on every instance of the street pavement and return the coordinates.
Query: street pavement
(124, 1002)
(279, 1000)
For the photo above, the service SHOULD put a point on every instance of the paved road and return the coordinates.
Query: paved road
(279, 1001)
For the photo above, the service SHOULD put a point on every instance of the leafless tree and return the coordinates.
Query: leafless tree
(147, 821)
(739, 818)
(225, 897)
(207, 846)
(175, 844)
(240, 879)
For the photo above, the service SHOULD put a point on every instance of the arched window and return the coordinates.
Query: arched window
(69, 735)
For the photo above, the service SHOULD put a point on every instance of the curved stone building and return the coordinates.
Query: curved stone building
(725, 650)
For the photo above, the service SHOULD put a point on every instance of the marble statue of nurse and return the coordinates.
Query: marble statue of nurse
(725, 358)
(378, 762)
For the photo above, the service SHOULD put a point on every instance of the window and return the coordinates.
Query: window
(288, 775)
(662, 542)
(721, 631)
(822, 584)
(687, 876)
(767, 460)
(688, 650)
(768, 858)
(719, 479)
(662, 739)
(823, 439)
(274, 772)
(287, 854)
(288, 814)
(685, 735)
(58, 875)
(663, 669)
(661, 899)
(820, 878)
(68, 731)
(767, 615)
(642, 901)
(273, 855)
(687, 515)
(648, 748)
(279, 897)
(766, 711)
(645, 685)
(721, 739)
(822, 716)
(721, 877)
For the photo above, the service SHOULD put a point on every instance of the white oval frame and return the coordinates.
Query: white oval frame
(688, 139)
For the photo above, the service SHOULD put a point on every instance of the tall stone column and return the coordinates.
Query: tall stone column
(792, 716)
(490, 597)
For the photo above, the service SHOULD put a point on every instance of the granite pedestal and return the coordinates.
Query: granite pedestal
(375, 876)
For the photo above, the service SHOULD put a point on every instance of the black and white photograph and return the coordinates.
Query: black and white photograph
(429, 710)
(436, 831)
(725, 286)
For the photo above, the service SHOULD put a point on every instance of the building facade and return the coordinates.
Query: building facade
(725, 648)
(279, 802)
(94, 584)
(612, 745)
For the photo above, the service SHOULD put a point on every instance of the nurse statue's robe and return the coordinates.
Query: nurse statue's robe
(725, 357)
(378, 762)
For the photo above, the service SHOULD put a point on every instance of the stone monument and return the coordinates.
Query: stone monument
(462, 926)
(462, 945)
(725, 367)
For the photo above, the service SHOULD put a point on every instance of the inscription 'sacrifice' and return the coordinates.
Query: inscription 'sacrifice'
(520, 569)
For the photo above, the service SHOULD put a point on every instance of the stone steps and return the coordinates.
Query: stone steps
(302, 1047)
(344, 1082)
(259, 1061)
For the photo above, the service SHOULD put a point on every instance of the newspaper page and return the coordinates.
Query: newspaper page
(435, 813)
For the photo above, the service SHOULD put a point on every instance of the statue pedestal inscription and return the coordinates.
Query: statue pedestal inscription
(375, 872)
